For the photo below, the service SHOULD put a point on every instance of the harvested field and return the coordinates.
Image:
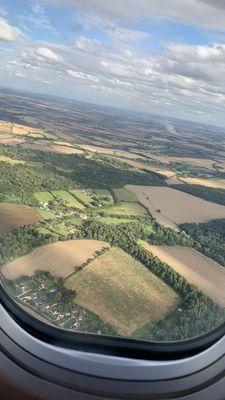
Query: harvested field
(171, 207)
(4, 136)
(16, 129)
(11, 141)
(122, 291)
(110, 151)
(199, 270)
(52, 147)
(60, 259)
(64, 149)
(13, 217)
(211, 183)
(141, 165)
(200, 162)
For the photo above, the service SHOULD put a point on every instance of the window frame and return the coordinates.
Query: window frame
(108, 345)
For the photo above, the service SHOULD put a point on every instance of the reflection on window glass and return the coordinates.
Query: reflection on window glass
(112, 166)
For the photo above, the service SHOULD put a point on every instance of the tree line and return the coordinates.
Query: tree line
(210, 194)
(208, 238)
(199, 313)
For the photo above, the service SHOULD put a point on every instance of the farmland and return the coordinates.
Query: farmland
(10, 160)
(60, 259)
(98, 183)
(108, 220)
(45, 214)
(118, 287)
(203, 272)
(45, 145)
(128, 209)
(16, 129)
(215, 184)
(171, 207)
(43, 197)
(82, 196)
(14, 216)
(124, 194)
(144, 165)
(68, 198)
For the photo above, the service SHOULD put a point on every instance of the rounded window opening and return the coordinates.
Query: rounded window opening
(112, 168)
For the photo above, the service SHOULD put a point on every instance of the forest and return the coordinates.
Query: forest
(208, 238)
(206, 193)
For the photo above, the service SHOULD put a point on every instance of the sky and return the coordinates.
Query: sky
(163, 57)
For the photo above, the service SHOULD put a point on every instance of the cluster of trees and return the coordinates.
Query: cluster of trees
(166, 236)
(209, 194)
(23, 180)
(199, 313)
(93, 173)
(93, 323)
(208, 238)
(58, 171)
(21, 242)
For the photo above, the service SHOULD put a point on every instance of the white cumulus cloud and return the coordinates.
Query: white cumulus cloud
(9, 33)
(47, 53)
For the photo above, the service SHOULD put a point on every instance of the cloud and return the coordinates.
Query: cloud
(87, 45)
(204, 13)
(124, 35)
(9, 33)
(35, 17)
(47, 53)
(82, 75)
(214, 3)
(111, 60)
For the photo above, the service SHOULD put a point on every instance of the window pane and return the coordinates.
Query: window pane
(112, 165)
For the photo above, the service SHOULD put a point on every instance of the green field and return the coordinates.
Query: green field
(110, 220)
(43, 230)
(11, 161)
(82, 196)
(104, 193)
(75, 221)
(122, 292)
(60, 229)
(43, 197)
(124, 194)
(128, 209)
(67, 198)
(45, 214)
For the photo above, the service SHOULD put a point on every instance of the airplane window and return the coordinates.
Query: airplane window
(112, 166)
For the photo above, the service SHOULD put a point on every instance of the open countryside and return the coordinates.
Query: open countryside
(219, 184)
(119, 287)
(203, 272)
(170, 206)
(97, 192)
(60, 259)
(14, 216)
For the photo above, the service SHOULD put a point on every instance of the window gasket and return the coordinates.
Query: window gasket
(108, 345)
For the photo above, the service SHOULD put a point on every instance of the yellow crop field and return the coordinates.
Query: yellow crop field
(122, 291)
